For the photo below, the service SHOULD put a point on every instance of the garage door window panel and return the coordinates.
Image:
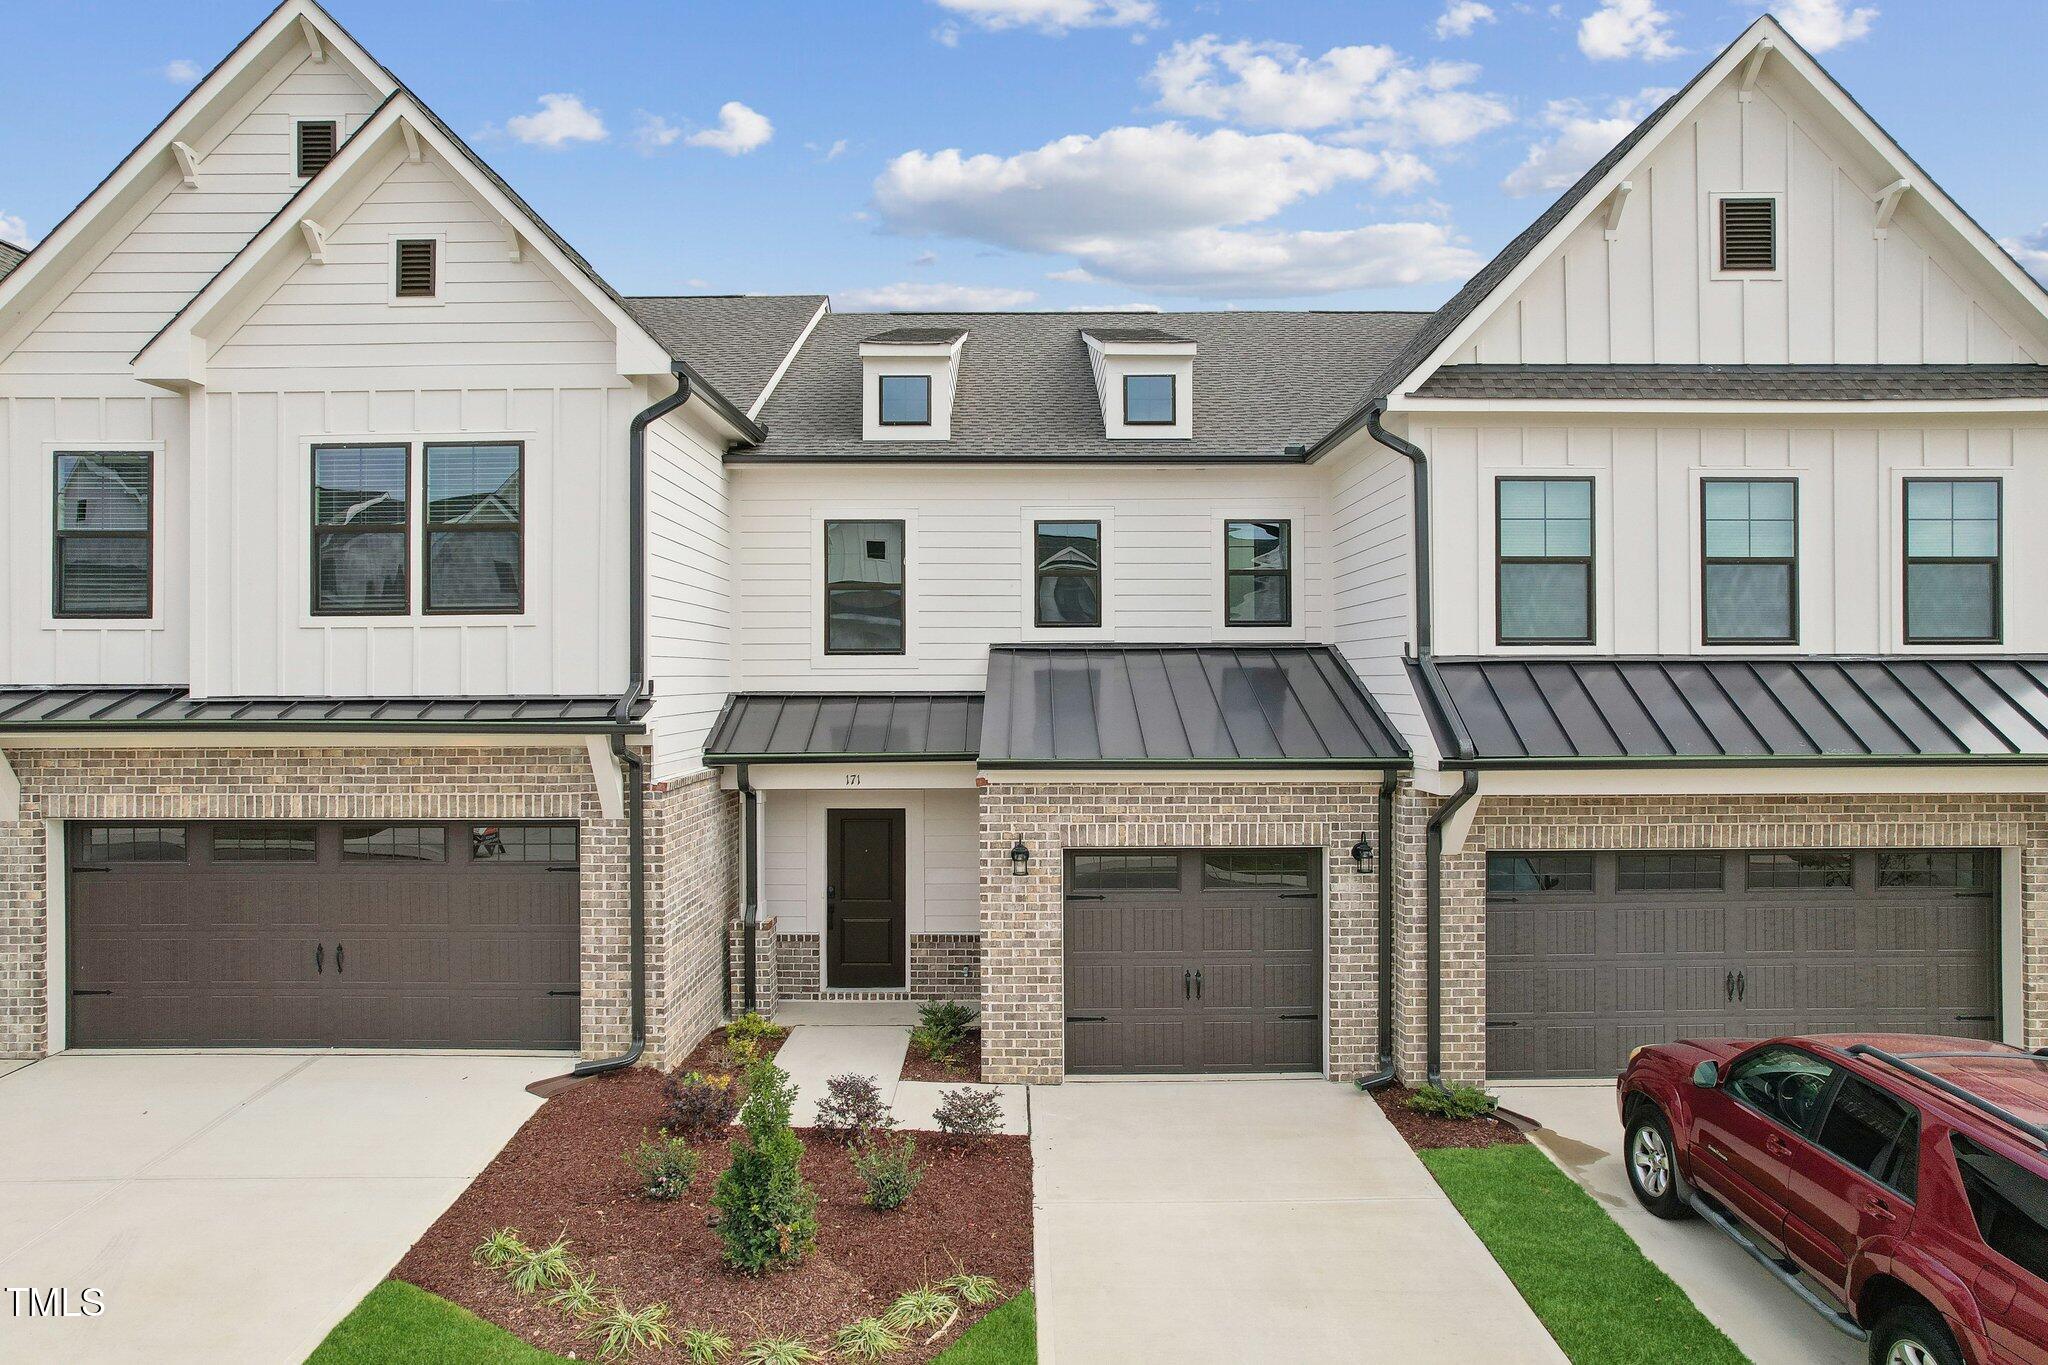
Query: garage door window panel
(265, 843)
(394, 843)
(1104, 872)
(1669, 871)
(513, 844)
(1277, 871)
(110, 844)
(1801, 871)
(1954, 869)
(1538, 873)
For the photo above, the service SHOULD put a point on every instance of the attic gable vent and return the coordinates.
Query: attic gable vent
(416, 268)
(1749, 234)
(316, 147)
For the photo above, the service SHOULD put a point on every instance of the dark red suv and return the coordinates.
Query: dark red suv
(1897, 1183)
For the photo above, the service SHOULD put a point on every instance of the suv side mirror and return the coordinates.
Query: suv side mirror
(1706, 1075)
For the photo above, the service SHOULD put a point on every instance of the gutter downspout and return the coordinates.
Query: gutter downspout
(750, 906)
(1387, 1073)
(622, 713)
(1433, 895)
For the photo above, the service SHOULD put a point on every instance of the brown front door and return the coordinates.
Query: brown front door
(864, 904)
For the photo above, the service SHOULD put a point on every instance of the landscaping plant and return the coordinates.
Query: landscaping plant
(535, 1269)
(888, 1171)
(853, 1107)
(779, 1351)
(498, 1249)
(971, 1289)
(969, 1113)
(753, 1027)
(621, 1331)
(579, 1297)
(703, 1348)
(941, 1029)
(1453, 1102)
(767, 1214)
(663, 1166)
(700, 1107)
(867, 1339)
(922, 1307)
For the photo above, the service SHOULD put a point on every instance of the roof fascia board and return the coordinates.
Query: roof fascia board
(789, 358)
(1623, 407)
(1084, 772)
(1815, 777)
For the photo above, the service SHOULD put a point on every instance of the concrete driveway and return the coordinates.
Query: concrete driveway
(1582, 1133)
(230, 1207)
(1254, 1220)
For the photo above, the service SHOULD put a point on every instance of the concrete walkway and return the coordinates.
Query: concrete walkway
(1254, 1220)
(832, 1044)
(231, 1207)
(1582, 1133)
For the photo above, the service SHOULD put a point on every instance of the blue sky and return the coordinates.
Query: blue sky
(1049, 153)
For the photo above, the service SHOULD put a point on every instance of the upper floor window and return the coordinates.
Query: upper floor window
(1953, 543)
(1544, 579)
(475, 527)
(1750, 569)
(1258, 585)
(906, 400)
(104, 522)
(316, 141)
(1067, 585)
(1149, 400)
(361, 531)
(417, 268)
(864, 587)
(1749, 234)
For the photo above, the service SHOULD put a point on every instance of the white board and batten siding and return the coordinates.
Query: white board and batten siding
(942, 848)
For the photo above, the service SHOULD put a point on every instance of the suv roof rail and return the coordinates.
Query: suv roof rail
(1950, 1088)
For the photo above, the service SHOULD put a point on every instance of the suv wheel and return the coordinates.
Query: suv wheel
(1913, 1334)
(1651, 1159)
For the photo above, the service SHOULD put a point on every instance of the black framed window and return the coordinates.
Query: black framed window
(476, 514)
(134, 844)
(523, 844)
(105, 529)
(1125, 872)
(1953, 573)
(1668, 871)
(1749, 584)
(906, 400)
(1149, 400)
(394, 843)
(1803, 870)
(265, 843)
(1544, 579)
(1067, 584)
(1258, 568)
(864, 596)
(361, 531)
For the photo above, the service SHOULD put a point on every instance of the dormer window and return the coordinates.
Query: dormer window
(906, 400)
(1149, 400)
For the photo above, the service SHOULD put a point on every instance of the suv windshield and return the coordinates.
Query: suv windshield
(2010, 1204)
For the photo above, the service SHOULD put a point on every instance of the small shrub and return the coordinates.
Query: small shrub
(579, 1298)
(702, 1347)
(753, 1028)
(853, 1107)
(700, 1107)
(663, 1166)
(888, 1171)
(1453, 1102)
(867, 1339)
(621, 1331)
(498, 1249)
(779, 1351)
(922, 1307)
(969, 1113)
(538, 1268)
(941, 1029)
(971, 1289)
(767, 1214)
(741, 1053)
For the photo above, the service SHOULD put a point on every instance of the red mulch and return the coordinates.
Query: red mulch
(709, 1055)
(1423, 1131)
(965, 1068)
(564, 1172)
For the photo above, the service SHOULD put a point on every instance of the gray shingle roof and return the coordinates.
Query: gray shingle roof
(1811, 383)
(1677, 709)
(174, 708)
(10, 257)
(734, 340)
(797, 726)
(917, 336)
(1263, 381)
(1134, 334)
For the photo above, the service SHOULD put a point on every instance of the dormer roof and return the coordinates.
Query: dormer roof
(916, 336)
(1135, 336)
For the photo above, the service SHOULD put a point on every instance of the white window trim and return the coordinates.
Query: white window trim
(1028, 627)
(1712, 235)
(440, 240)
(1805, 565)
(1488, 522)
(159, 582)
(1892, 545)
(1299, 542)
(913, 591)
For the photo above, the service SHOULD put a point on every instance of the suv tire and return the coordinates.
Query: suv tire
(1651, 1159)
(1913, 1334)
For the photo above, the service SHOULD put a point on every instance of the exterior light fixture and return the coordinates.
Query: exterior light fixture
(1020, 857)
(1361, 854)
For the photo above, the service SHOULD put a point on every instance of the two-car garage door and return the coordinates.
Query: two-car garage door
(323, 934)
(1591, 954)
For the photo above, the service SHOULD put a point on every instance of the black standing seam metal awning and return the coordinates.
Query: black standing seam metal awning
(1681, 710)
(1166, 706)
(40, 710)
(819, 727)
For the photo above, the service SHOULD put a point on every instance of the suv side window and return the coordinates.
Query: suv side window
(1781, 1083)
(2010, 1204)
(1874, 1132)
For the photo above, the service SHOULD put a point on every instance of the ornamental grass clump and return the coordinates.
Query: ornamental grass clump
(867, 1339)
(497, 1250)
(702, 1347)
(779, 1351)
(853, 1108)
(538, 1268)
(923, 1307)
(622, 1331)
(767, 1214)
(579, 1297)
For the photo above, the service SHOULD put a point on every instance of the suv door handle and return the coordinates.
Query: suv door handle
(1777, 1146)
(1880, 1210)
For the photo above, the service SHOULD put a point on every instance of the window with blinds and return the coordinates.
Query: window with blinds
(316, 143)
(416, 268)
(1749, 235)
(105, 521)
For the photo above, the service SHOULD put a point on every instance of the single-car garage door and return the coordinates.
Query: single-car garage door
(1185, 960)
(332, 935)
(1591, 954)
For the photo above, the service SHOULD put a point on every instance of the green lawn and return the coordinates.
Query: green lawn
(398, 1322)
(1601, 1298)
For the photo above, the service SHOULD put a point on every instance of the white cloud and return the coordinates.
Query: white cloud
(1627, 28)
(2030, 251)
(1112, 308)
(907, 297)
(1823, 24)
(179, 71)
(835, 151)
(14, 230)
(740, 130)
(1460, 17)
(560, 120)
(947, 35)
(654, 132)
(1579, 137)
(1048, 16)
(1375, 91)
(924, 258)
(1212, 263)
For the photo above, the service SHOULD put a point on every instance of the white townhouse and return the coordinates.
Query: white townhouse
(410, 641)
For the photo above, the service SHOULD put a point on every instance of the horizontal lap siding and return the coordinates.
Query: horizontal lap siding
(689, 590)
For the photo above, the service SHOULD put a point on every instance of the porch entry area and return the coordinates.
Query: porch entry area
(866, 905)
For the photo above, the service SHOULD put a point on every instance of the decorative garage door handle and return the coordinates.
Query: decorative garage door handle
(1728, 985)
(1742, 985)
(338, 968)
(1187, 983)
(1198, 983)
(320, 957)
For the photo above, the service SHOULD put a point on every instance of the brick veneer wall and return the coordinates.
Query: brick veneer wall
(693, 861)
(767, 976)
(1022, 918)
(340, 783)
(942, 967)
(1700, 822)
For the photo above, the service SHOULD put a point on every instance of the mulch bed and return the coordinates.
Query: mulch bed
(564, 1172)
(1424, 1131)
(964, 1069)
(709, 1055)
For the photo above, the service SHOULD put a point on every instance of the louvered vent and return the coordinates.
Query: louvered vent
(1749, 234)
(416, 269)
(316, 148)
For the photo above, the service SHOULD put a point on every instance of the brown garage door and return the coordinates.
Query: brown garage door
(1181, 960)
(1589, 955)
(337, 935)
